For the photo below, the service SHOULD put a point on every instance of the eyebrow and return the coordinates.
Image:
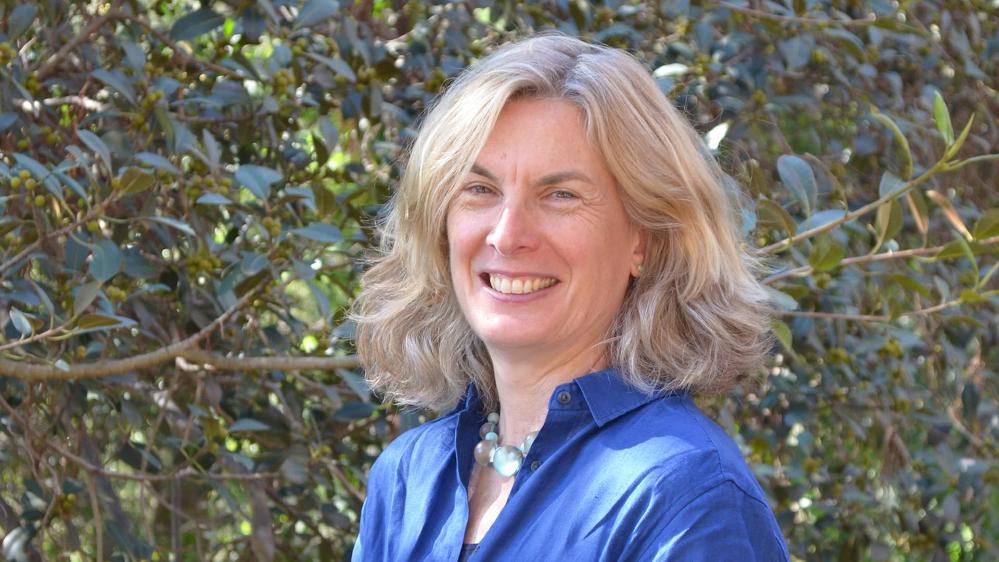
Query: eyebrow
(547, 179)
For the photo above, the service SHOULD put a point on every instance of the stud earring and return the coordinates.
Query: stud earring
(641, 268)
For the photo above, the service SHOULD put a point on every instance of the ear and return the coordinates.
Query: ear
(638, 251)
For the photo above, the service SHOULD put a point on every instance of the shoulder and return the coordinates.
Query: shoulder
(432, 439)
(708, 501)
(682, 453)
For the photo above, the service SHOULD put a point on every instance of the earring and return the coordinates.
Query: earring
(641, 268)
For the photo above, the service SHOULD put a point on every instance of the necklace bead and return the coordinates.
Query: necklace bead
(505, 459)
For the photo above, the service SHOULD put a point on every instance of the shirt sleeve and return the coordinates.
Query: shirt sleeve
(723, 523)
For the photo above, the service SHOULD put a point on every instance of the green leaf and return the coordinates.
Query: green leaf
(356, 383)
(72, 184)
(248, 424)
(93, 321)
(820, 218)
(971, 296)
(40, 172)
(106, 261)
(86, 295)
(295, 468)
(196, 23)
(354, 411)
(970, 254)
(135, 180)
(258, 179)
(888, 222)
(336, 65)
(212, 151)
(942, 117)
(116, 81)
(6, 120)
(781, 300)
(783, 333)
(157, 161)
(826, 254)
(988, 225)
(899, 138)
(772, 215)
(314, 12)
(173, 223)
(213, 199)
(799, 178)
(908, 283)
(21, 322)
(20, 20)
(95, 143)
(956, 249)
(320, 232)
(959, 142)
(889, 184)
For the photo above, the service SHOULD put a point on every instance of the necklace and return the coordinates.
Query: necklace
(505, 459)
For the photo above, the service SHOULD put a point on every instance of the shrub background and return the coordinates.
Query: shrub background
(187, 190)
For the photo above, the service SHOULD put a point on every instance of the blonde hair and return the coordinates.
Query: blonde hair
(696, 318)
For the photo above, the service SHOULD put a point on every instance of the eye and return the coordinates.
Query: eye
(478, 189)
(562, 194)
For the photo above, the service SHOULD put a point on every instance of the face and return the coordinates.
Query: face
(540, 247)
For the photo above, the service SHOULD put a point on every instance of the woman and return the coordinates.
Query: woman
(561, 260)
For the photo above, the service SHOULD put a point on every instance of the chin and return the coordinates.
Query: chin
(510, 334)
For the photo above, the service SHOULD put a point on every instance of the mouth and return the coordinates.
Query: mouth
(517, 285)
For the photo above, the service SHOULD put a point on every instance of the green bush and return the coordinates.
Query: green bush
(187, 190)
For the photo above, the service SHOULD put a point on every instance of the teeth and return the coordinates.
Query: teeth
(519, 286)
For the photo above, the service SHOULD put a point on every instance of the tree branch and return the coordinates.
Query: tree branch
(869, 317)
(35, 372)
(794, 19)
(884, 256)
(84, 35)
(812, 232)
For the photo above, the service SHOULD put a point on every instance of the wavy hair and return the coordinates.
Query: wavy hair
(696, 319)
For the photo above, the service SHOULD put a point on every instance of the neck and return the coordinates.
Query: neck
(524, 386)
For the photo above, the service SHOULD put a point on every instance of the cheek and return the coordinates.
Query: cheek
(460, 244)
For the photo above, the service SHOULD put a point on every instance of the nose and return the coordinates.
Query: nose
(515, 230)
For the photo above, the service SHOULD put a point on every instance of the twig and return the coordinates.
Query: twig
(95, 506)
(35, 372)
(75, 42)
(795, 19)
(873, 205)
(180, 52)
(227, 363)
(884, 256)
(869, 317)
(92, 213)
(35, 337)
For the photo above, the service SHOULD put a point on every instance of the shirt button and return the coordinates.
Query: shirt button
(535, 465)
(564, 397)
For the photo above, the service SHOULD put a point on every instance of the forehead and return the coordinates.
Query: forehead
(535, 135)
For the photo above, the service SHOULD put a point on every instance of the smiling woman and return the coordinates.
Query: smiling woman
(561, 260)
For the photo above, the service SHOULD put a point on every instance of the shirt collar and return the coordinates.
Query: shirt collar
(606, 394)
(609, 396)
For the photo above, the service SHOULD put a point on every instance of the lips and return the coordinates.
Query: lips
(518, 285)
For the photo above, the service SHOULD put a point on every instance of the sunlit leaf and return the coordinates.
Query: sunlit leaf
(258, 179)
(942, 118)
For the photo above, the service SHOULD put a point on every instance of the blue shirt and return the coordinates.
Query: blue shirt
(614, 474)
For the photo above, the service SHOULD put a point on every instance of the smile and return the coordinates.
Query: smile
(519, 285)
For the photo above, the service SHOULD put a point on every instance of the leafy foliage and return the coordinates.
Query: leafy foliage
(186, 190)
